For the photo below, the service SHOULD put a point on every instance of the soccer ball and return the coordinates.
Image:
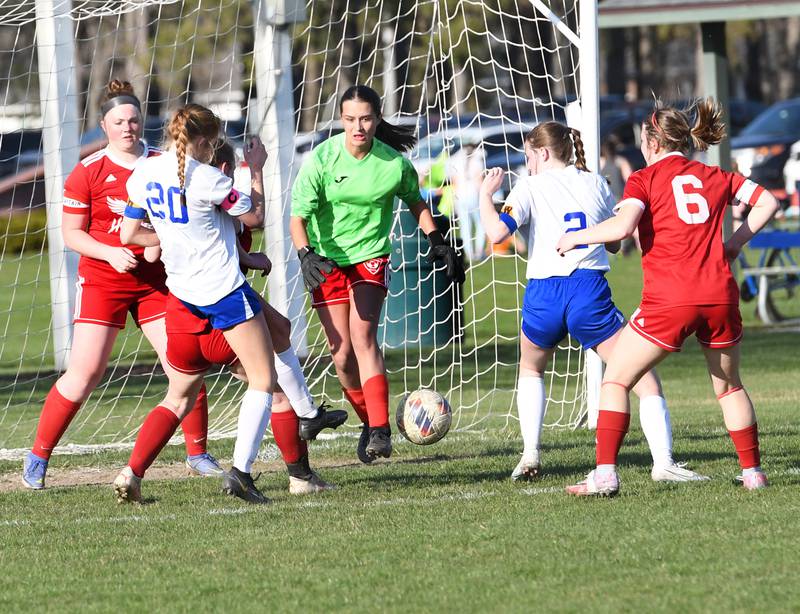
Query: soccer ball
(424, 417)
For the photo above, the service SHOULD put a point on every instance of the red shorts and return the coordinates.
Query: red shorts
(195, 352)
(715, 326)
(336, 287)
(99, 302)
(192, 345)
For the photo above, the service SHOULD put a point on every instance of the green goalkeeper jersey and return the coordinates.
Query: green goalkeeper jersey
(348, 203)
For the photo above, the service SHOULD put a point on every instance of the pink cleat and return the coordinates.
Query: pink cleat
(604, 484)
(755, 480)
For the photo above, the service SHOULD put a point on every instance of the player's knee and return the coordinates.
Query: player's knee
(363, 341)
(79, 383)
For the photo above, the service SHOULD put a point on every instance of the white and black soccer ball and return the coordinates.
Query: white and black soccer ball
(424, 417)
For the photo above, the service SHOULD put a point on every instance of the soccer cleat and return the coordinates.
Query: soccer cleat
(128, 487)
(309, 485)
(204, 464)
(240, 484)
(363, 440)
(310, 427)
(380, 442)
(754, 480)
(529, 467)
(676, 472)
(34, 469)
(604, 484)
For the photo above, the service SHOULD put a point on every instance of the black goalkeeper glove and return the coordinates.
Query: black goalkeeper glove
(314, 267)
(454, 265)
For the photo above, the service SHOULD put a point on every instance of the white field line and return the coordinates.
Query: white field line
(303, 503)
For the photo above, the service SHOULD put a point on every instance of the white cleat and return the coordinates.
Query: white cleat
(604, 484)
(676, 472)
(128, 487)
(529, 467)
(315, 484)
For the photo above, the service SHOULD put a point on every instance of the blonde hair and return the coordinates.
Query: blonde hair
(561, 140)
(673, 129)
(189, 124)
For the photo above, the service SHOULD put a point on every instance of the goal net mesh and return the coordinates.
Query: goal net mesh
(461, 71)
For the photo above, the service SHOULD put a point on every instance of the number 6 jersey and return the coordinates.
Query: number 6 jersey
(684, 201)
(198, 241)
(554, 202)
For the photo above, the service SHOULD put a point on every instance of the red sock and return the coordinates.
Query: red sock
(284, 429)
(57, 413)
(158, 427)
(356, 398)
(195, 425)
(376, 397)
(611, 429)
(746, 443)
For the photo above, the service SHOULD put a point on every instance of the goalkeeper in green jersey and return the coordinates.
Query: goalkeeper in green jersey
(342, 210)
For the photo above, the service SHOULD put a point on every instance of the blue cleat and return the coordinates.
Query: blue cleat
(34, 469)
(204, 464)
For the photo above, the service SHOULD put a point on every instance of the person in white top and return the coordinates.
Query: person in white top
(566, 294)
(465, 171)
(191, 206)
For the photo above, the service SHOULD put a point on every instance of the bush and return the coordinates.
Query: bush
(23, 232)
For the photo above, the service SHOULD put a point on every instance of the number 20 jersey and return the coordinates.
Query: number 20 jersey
(198, 241)
(680, 231)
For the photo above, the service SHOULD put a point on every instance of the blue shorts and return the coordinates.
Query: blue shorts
(239, 306)
(580, 305)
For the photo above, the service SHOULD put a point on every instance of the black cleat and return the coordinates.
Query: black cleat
(363, 440)
(240, 484)
(310, 427)
(380, 442)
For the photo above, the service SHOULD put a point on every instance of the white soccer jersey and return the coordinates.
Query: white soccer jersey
(552, 203)
(198, 241)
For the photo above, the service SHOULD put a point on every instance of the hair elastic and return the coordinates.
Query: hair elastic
(120, 100)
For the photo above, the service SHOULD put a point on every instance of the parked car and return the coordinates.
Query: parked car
(762, 148)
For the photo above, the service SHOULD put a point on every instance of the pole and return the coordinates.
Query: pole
(61, 149)
(273, 73)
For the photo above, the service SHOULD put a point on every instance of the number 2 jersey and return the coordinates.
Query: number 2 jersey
(684, 201)
(96, 188)
(198, 240)
(554, 202)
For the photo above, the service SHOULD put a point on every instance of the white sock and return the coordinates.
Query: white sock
(750, 470)
(293, 383)
(254, 417)
(605, 469)
(530, 407)
(654, 418)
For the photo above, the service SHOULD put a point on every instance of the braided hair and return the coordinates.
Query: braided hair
(185, 130)
(560, 140)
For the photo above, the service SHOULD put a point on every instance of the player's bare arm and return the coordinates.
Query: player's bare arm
(619, 227)
(133, 233)
(765, 207)
(495, 228)
(73, 229)
(255, 154)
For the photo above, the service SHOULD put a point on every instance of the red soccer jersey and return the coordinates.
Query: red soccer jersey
(96, 187)
(684, 203)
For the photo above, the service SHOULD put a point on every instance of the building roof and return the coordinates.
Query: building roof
(626, 13)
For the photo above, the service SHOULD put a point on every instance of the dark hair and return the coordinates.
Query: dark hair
(401, 138)
(559, 139)
(672, 128)
(223, 153)
(188, 124)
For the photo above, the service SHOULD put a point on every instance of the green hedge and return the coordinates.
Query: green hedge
(23, 232)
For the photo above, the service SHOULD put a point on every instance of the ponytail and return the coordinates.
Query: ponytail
(580, 154)
(401, 138)
(708, 128)
(188, 125)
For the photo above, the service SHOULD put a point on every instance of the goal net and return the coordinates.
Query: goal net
(460, 71)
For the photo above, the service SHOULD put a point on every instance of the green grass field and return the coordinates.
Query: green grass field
(440, 528)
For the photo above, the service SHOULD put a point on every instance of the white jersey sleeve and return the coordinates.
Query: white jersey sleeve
(607, 197)
(221, 192)
(516, 211)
